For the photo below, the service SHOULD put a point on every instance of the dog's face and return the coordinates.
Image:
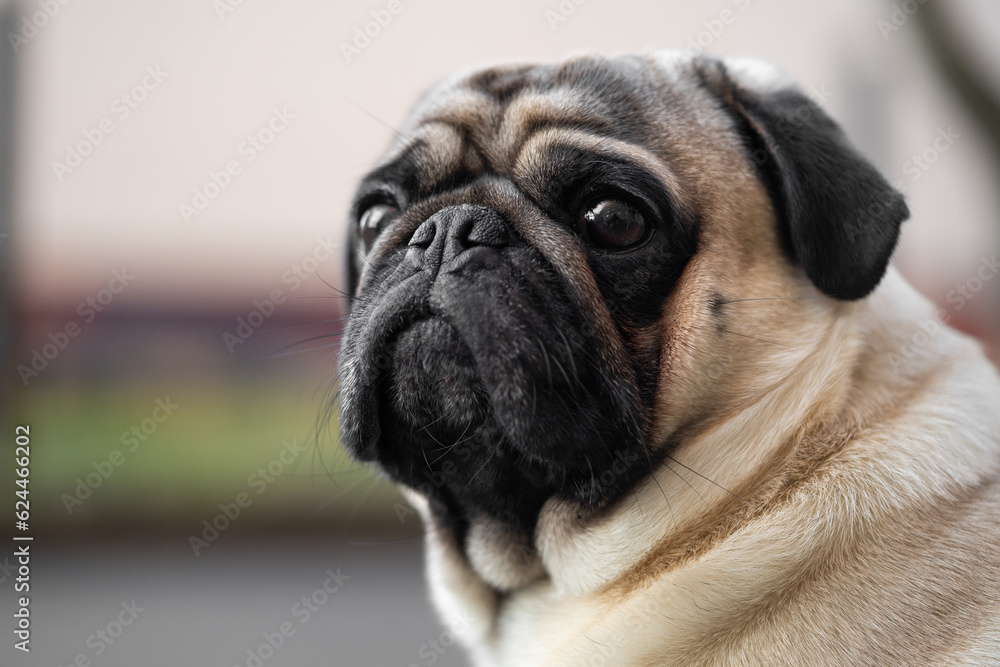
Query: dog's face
(552, 273)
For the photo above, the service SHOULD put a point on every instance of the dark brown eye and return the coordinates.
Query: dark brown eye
(372, 222)
(612, 224)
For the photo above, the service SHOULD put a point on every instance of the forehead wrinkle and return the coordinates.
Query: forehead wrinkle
(469, 111)
(438, 149)
(529, 112)
(540, 143)
(461, 108)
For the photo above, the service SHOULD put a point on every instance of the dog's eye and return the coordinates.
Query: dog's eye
(612, 224)
(372, 222)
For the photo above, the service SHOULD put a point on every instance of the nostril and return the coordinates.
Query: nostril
(488, 231)
(472, 227)
(454, 230)
(460, 231)
(424, 235)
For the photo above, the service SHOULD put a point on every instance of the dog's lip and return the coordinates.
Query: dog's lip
(472, 312)
(377, 330)
(382, 328)
(406, 304)
(408, 322)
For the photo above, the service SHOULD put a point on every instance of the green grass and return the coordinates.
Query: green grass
(200, 456)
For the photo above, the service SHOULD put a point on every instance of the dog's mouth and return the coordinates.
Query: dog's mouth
(440, 430)
(481, 388)
(432, 382)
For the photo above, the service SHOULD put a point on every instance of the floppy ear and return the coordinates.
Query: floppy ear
(838, 215)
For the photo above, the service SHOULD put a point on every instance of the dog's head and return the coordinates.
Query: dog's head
(552, 273)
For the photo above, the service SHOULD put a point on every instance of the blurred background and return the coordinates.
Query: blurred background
(174, 180)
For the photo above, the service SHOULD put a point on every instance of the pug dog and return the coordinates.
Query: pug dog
(625, 333)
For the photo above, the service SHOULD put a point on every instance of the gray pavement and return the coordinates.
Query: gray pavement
(157, 605)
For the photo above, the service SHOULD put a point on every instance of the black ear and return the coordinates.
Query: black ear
(839, 216)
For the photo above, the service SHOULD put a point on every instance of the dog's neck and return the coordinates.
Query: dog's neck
(718, 476)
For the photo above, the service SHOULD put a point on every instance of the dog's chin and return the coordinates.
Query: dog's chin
(436, 386)
(432, 383)
(483, 391)
(495, 441)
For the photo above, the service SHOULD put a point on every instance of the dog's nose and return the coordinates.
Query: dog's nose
(453, 230)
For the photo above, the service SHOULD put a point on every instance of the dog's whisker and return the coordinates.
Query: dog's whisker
(570, 383)
(287, 353)
(670, 508)
(593, 478)
(569, 355)
(336, 290)
(288, 327)
(545, 356)
(429, 424)
(639, 505)
(707, 479)
(737, 333)
(461, 439)
(488, 459)
(285, 348)
(423, 451)
(323, 296)
(378, 120)
(534, 402)
(770, 298)
(690, 486)
(448, 448)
